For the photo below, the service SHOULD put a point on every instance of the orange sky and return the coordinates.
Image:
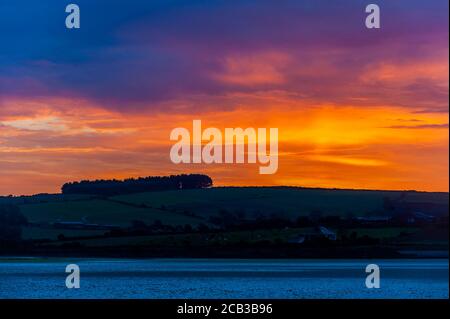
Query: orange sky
(378, 147)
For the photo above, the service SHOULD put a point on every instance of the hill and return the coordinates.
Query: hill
(199, 206)
(288, 202)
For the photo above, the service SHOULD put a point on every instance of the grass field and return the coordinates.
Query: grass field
(43, 198)
(193, 207)
(38, 233)
(233, 237)
(101, 212)
(195, 239)
(382, 233)
(172, 207)
(290, 202)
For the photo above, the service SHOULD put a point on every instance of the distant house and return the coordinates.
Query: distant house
(300, 239)
(415, 218)
(424, 217)
(374, 219)
(316, 233)
(328, 234)
(419, 217)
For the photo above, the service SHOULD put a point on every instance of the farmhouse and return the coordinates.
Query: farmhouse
(317, 233)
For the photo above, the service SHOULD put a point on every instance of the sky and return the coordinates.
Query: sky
(355, 107)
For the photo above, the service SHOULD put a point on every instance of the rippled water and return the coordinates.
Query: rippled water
(194, 278)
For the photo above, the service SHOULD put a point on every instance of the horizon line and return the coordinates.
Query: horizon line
(263, 186)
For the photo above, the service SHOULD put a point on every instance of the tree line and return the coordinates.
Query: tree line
(137, 185)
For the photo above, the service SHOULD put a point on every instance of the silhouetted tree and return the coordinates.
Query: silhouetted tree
(143, 184)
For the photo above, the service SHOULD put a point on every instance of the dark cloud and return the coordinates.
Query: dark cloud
(138, 54)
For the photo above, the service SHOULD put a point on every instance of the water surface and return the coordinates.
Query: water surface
(219, 278)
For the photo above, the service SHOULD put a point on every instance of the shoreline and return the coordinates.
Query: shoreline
(214, 253)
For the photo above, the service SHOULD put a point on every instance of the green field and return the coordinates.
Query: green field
(195, 239)
(42, 198)
(288, 202)
(196, 206)
(100, 212)
(235, 237)
(174, 207)
(38, 233)
(382, 233)
(193, 207)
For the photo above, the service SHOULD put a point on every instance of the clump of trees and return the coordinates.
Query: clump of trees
(11, 221)
(137, 185)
